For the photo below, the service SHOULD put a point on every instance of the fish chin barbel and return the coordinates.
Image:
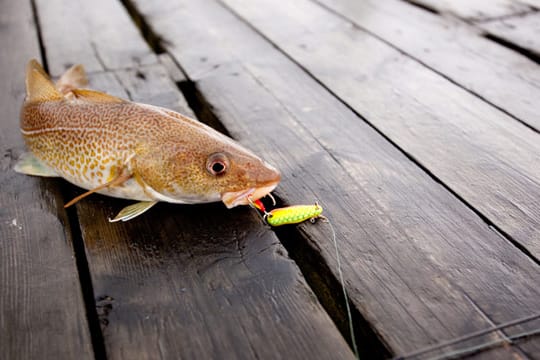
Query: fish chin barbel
(130, 150)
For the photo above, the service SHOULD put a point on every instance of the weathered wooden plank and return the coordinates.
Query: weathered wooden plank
(493, 72)
(42, 315)
(419, 265)
(524, 31)
(194, 281)
(477, 9)
(478, 151)
(98, 33)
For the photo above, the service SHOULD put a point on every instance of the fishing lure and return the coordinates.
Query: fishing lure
(287, 215)
(293, 214)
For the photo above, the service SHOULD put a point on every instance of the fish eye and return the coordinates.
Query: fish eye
(217, 164)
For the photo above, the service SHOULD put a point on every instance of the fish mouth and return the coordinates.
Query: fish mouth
(243, 197)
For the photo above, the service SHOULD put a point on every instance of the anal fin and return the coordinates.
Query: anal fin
(29, 164)
(132, 211)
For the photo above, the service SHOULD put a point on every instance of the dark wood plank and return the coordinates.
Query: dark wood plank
(42, 315)
(193, 281)
(98, 33)
(483, 155)
(493, 72)
(477, 9)
(523, 31)
(419, 265)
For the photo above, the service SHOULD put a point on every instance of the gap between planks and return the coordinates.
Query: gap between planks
(486, 32)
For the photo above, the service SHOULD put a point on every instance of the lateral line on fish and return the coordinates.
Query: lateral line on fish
(48, 130)
(344, 290)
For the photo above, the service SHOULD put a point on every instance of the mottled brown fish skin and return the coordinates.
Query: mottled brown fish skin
(89, 141)
(76, 140)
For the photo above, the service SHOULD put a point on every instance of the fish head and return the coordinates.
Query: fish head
(215, 169)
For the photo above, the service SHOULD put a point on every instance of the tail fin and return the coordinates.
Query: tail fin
(39, 86)
(73, 78)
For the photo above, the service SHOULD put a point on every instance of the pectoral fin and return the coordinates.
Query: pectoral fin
(131, 211)
(30, 165)
(120, 179)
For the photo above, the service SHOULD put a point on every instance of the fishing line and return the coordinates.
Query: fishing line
(472, 336)
(347, 304)
(486, 345)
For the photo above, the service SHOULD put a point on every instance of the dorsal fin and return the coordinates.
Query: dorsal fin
(39, 86)
(96, 96)
(74, 78)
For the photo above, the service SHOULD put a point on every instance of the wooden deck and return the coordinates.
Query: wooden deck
(414, 123)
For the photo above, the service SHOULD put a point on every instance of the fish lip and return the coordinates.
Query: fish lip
(243, 197)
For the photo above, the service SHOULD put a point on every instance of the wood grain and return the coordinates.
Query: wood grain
(489, 160)
(476, 10)
(193, 281)
(523, 31)
(99, 34)
(42, 315)
(495, 73)
(419, 265)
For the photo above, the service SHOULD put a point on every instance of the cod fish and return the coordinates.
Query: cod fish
(129, 150)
